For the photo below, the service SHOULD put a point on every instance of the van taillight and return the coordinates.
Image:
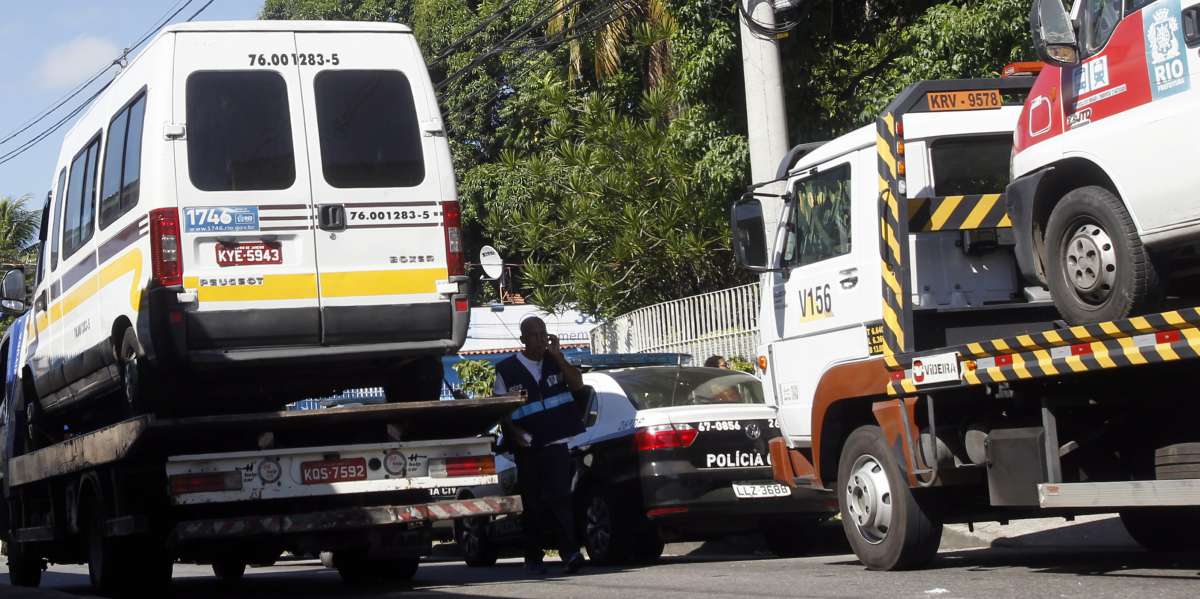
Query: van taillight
(165, 247)
(452, 225)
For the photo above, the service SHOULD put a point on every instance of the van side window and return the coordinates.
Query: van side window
(79, 220)
(239, 131)
(43, 230)
(370, 136)
(58, 210)
(970, 165)
(122, 162)
(820, 218)
(1100, 20)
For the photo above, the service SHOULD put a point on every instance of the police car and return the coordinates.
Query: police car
(670, 453)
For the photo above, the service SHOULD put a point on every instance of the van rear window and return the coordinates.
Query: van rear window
(368, 126)
(239, 134)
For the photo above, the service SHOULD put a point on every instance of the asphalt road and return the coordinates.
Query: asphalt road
(1056, 566)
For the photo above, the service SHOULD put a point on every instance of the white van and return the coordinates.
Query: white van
(251, 213)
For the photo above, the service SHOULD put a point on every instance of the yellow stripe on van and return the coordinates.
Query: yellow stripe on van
(129, 262)
(273, 287)
(381, 282)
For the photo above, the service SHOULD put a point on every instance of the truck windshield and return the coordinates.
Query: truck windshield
(368, 126)
(970, 165)
(662, 387)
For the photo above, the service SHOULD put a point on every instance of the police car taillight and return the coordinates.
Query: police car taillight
(665, 436)
(166, 260)
(452, 226)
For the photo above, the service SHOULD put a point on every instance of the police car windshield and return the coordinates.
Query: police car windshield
(662, 387)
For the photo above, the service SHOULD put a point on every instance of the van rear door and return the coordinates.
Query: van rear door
(245, 203)
(380, 171)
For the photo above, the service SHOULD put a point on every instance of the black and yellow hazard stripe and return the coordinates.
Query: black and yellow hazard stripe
(957, 213)
(891, 232)
(1152, 323)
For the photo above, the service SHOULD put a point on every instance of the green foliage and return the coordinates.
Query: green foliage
(18, 230)
(478, 376)
(741, 364)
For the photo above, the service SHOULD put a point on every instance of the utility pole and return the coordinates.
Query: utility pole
(766, 116)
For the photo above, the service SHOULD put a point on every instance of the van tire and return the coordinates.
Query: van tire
(1096, 266)
(137, 388)
(419, 380)
(869, 482)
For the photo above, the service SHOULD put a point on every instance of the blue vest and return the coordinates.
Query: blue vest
(549, 413)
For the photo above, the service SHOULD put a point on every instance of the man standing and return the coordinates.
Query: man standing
(540, 430)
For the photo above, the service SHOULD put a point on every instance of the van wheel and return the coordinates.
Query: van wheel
(886, 526)
(1097, 268)
(419, 380)
(24, 569)
(1159, 529)
(136, 379)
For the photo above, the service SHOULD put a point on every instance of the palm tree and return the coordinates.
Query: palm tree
(647, 22)
(18, 229)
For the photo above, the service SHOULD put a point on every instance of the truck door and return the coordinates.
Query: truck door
(242, 178)
(831, 288)
(379, 176)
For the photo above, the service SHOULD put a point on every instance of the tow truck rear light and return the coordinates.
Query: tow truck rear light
(665, 436)
(166, 262)
(452, 226)
(1018, 69)
(206, 482)
(468, 466)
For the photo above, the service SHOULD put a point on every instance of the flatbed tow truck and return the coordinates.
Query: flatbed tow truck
(132, 498)
(941, 390)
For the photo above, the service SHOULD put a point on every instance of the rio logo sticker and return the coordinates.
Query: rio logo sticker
(219, 219)
(1165, 58)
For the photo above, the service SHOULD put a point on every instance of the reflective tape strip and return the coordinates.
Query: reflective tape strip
(534, 407)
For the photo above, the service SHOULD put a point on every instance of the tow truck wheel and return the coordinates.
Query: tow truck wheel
(356, 568)
(608, 534)
(1159, 529)
(229, 570)
(108, 566)
(883, 521)
(1096, 266)
(24, 569)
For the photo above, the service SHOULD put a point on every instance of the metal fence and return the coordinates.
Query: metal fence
(721, 322)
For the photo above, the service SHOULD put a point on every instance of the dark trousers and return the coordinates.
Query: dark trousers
(544, 476)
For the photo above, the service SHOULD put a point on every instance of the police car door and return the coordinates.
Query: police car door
(245, 203)
(376, 141)
(831, 280)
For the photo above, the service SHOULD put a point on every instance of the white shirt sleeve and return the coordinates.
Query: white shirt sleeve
(499, 388)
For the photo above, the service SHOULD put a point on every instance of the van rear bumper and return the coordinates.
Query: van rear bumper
(320, 353)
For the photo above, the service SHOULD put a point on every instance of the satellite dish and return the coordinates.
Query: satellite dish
(491, 262)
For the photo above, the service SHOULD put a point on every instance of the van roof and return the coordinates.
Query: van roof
(324, 26)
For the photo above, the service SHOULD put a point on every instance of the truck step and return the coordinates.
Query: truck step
(1139, 493)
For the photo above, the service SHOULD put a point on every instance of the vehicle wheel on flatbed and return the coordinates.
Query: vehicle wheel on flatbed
(1164, 529)
(24, 569)
(137, 381)
(229, 570)
(883, 521)
(1096, 266)
(419, 380)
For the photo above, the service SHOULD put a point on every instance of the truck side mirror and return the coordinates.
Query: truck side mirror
(749, 235)
(1053, 34)
(12, 291)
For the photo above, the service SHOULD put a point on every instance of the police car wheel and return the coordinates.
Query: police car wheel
(477, 549)
(1096, 266)
(607, 535)
(1158, 529)
(229, 570)
(885, 524)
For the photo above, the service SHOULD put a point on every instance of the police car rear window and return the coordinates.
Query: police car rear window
(367, 122)
(239, 131)
(650, 388)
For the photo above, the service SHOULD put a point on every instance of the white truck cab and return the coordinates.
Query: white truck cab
(823, 303)
(252, 206)
(1101, 197)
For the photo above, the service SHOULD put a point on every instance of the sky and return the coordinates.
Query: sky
(52, 46)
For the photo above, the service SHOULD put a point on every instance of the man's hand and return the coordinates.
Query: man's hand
(554, 349)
